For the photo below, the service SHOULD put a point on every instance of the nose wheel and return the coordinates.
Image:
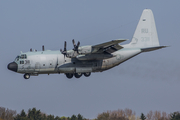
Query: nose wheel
(26, 76)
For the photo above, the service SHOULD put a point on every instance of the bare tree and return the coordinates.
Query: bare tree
(121, 113)
(2, 112)
(103, 116)
(7, 114)
(130, 114)
(164, 116)
(157, 115)
(149, 115)
(126, 114)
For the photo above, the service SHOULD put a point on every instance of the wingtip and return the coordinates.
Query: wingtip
(120, 40)
(165, 46)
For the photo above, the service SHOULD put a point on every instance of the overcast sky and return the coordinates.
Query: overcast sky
(149, 81)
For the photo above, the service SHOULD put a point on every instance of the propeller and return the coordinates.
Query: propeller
(75, 46)
(65, 51)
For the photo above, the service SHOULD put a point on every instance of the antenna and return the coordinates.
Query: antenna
(43, 48)
(65, 50)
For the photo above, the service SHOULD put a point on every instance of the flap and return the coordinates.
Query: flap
(108, 47)
(107, 44)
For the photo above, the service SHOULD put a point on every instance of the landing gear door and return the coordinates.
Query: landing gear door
(96, 64)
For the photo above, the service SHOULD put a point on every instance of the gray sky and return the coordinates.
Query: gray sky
(149, 81)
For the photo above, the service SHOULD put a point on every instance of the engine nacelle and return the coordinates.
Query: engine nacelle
(85, 49)
(81, 50)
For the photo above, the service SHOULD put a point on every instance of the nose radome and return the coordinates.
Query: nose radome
(12, 66)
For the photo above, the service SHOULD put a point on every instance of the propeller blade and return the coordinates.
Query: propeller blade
(75, 46)
(74, 43)
(65, 46)
(43, 48)
(78, 44)
(61, 50)
(65, 51)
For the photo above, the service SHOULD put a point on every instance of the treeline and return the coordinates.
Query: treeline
(33, 114)
(126, 114)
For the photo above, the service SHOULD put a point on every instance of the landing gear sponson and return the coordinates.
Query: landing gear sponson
(68, 75)
(77, 75)
(26, 76)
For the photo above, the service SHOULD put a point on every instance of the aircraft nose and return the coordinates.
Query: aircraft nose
(12, 66)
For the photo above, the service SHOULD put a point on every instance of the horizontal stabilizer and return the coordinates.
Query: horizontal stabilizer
(152, 48)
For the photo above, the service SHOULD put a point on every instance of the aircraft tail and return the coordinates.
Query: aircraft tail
(145, 35)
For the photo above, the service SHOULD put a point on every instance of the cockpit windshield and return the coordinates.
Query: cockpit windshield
(17, 58)
(22, 56)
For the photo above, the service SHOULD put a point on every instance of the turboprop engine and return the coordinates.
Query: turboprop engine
(85, 49)
(81, 50)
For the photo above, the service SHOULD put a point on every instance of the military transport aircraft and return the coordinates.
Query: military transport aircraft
(92, 58)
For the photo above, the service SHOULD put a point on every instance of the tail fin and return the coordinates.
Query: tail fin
(145, 35)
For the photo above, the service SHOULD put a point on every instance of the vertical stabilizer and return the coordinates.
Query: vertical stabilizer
(146, 33)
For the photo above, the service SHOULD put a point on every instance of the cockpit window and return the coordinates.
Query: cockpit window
(23, 56)
(17, 58)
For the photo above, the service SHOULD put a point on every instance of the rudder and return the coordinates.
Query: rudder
(145, 34)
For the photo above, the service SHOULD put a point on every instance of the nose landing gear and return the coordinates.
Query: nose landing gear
(26, 76)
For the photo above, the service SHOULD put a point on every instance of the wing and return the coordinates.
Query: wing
(108, 47)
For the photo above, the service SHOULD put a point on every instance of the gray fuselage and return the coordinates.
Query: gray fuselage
(48, 62)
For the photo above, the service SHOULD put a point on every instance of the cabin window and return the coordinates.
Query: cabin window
(23, 56)
(21, 62)
(27, 61)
